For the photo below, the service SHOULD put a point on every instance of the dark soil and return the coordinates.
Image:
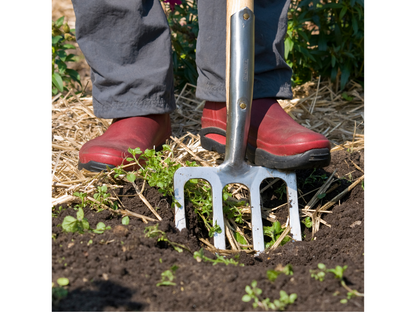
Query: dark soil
(120, 269)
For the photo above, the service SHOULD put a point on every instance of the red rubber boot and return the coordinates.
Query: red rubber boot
(275, 140)
(111, 148)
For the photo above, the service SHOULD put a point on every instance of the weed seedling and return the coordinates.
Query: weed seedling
(101, 228)
(101, 197)
(253, 293)
(308, 222)
(319, 274)
(199, 256)
(273, 274)
(338, 272)
(154, 232)
(274, 232)
(168, 277)
(81, 196)
(125, 220)
(80, 224)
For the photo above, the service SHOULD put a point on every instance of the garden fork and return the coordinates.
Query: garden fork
(240, 58)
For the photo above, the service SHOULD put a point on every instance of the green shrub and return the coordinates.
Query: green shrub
(326, 38)
(61, 74)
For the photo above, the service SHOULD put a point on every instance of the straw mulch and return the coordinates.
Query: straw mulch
(337, 115)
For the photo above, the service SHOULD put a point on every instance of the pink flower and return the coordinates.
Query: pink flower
(172, 3)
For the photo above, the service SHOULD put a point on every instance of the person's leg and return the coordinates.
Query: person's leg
(127, 45)
(275, 139)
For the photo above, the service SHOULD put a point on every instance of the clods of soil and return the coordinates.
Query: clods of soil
(119, 269)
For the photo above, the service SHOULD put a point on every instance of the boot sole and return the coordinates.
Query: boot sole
(315, 158)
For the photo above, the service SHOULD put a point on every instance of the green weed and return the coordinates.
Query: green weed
(338, 272)
(199, 256)
(101, 197)
(81, 224)
(308, 222)
(154, 232)
(167, 277)
(274, 233)
(273, 274)
(253, 293)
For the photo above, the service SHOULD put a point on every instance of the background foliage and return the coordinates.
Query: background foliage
(324, 38)
(61, 35)
(183, 22)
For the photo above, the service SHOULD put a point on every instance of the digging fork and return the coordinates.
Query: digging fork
(240, 80)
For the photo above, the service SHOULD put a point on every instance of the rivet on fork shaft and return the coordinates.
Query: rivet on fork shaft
(243, 105)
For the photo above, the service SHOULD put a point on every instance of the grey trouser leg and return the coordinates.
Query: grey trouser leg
(272, 74)
(127, 45)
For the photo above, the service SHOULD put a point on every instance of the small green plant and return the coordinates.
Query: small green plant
(83, 203)
(61, 35)
(57, 211)
(199, 256)
(313, 178)
(274, 233)
(125, 220)
(273, 274)
(62, 281)
(281, 190)
(101, 197)
(58, 293)
(81, 224)
(338, 272)
(154, 232)
(100, 228)
(253, 293)
(308, 222)
(168, 277)
(320, 273)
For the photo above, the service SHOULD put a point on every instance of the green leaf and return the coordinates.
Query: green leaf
(321, 266)
(166, 283)
(74, 75)
(272, 275)
(85, 224)
(246, 298)
(57, 82)
(55, 39)
(69, 224)
(62, 281)
(131, 177)
(288, 46)
(68, 46)
(343, 11)
(125, 220)
(320, 196)
(343, 301)
(292, 298)
(80, 214)
(59, 21)
(240, 238)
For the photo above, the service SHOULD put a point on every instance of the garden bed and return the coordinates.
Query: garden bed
(119, 269)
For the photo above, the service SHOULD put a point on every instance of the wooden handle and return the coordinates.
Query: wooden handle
(232, 7)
